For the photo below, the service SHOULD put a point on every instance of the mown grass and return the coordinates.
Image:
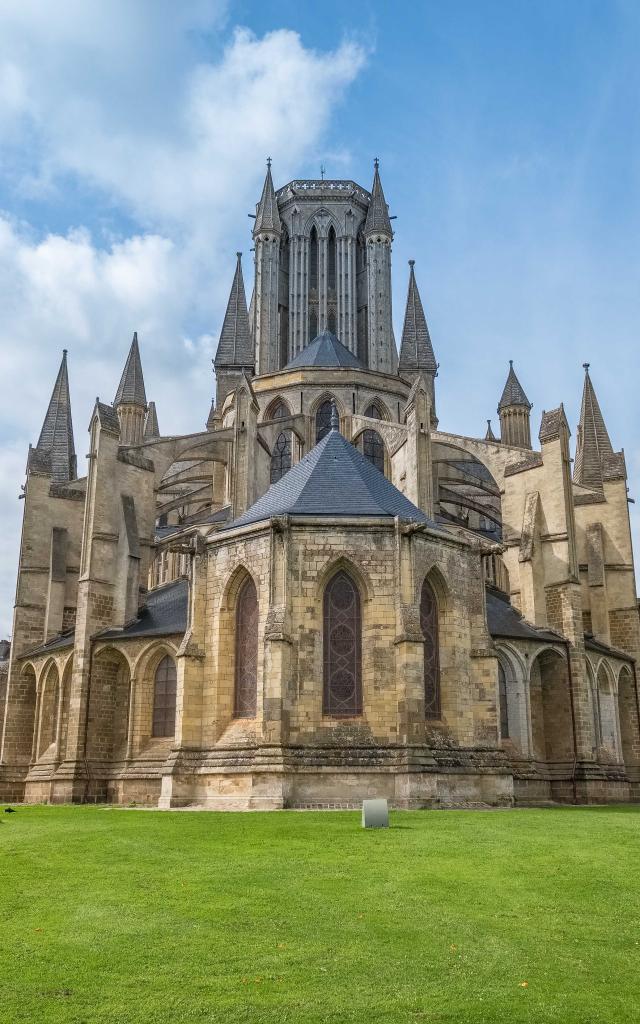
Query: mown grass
(136, 916)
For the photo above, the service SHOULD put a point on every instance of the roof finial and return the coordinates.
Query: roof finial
(269, 162)
(511, 363)
(335, 419)
(376, 162)
(412, 263)
(585, 367)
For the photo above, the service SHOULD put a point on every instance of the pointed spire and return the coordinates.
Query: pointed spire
(593, 439)
(56, 436)
(377, 221)
(131, 387)
(151, 428)
(513, 393)
(416, 350)
(235, 347)
(490, 436)
(267, 213)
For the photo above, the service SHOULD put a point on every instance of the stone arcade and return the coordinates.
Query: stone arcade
(322, 596)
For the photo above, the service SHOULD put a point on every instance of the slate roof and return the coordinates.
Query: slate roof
(506, 621)
(151, 428)
(593, 446)
(267, 213)
(56, 437)
(325, 350)
(235, 347)
(333, 480)
(416, 350)
(131, 387)
(513, 393)
(164, 613)
(378, 212)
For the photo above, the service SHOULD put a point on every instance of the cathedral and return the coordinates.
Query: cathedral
(321, 596)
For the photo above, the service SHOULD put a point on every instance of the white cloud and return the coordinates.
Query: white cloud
(111, 98)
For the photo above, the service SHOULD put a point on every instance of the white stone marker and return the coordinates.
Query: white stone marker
(375, 814)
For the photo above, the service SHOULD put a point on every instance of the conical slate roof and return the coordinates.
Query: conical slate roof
(378, 212)
(416, 350)
(593, 439)
(325, 350)
(131, 387)
(333, 480)
(151, 428)
(513, 393)
(267, 214)
(234, 346)
(56, 436)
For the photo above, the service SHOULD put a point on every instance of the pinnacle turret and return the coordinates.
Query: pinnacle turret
(416, 350)
(378, 221)
(267, 213)
(593, 444)
(514, 409)
(490, 436)
(513, 393)
(131, 387)
(151, 428)
(235, 347)
(55, 443)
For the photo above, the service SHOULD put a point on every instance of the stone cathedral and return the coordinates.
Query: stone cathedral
(322, 595)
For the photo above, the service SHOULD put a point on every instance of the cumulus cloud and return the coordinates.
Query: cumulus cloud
(144, 127)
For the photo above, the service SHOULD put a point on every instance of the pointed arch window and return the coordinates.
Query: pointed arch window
(331, 262)
(429, 627)
(164, 698)
(246, 668)
(342, 648)
(323, 419)
(313, 259)
(281, 454)
(313, 325)
(503, 702)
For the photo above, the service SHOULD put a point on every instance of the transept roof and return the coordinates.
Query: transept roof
(333, 480)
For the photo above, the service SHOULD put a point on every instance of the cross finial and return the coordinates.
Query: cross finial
(335, 419)
(269, 162)
(376, 162)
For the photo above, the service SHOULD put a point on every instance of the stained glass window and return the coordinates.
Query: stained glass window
(323, 419)
(281, 454)
(246, 681)
(429, 627)
(342, 691)
(164, 698)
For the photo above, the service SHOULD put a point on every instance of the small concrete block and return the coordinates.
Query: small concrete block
(375, 814)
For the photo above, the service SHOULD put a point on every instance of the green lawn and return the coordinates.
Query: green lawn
(123, 915)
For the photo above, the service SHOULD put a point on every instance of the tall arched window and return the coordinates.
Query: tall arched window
(502, 697)
(313, 259)
(342, 659)
(313, 324)
(323, 419)
(246, 681)
(331, 260)
(331, 321)
(164, 698)
(370, 442)
(429, 627)
(281, 454)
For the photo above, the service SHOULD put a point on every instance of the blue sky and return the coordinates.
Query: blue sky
(134, 135)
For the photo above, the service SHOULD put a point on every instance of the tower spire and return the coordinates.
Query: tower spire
(56, 437)
(131, 400)
(267, 213)
(593, 443)
(416, 350)
(235, 351)
(514, 409)
(378, 221)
